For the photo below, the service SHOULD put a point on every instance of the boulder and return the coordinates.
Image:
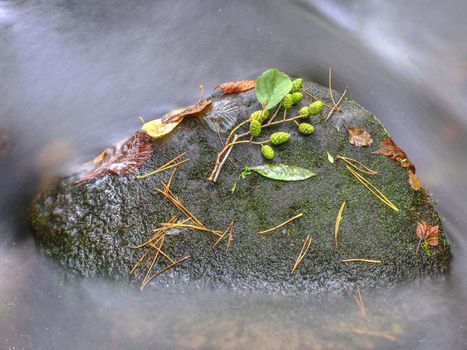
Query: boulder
(92, 227)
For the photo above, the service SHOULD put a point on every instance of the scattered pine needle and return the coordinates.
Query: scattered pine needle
(227, 232)
(229, 239)
(194, 227)
(372, 189)
(353, 163)
(330, 87)
(149, 279)
(169, 195)
(338, 222)
(301, 256)
(309, 93)
(362, 260)
(163, 168)
(387, 336)
(280, 225)
(158, 232)
(335, 106)
(359, 300)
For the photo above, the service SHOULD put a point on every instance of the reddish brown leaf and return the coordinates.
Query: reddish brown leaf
(233, 87)
(389, 149)
(359, 137)
(414, 181)
(196, 110)
(122, 158)
(428, 233)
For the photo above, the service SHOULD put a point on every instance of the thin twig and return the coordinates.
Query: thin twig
(275, 113)
(280, 225)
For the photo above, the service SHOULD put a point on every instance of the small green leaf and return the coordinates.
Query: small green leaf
(330, 158)
(271, 87)
(283, 172)
(245, 172)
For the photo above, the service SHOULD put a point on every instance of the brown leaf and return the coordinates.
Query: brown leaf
(233, 87)
(359, 137)
(122, 158)
(428, 233)
(196, 110)
(414, 181)
(389, 149)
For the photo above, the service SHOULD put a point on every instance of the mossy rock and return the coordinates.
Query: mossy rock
(92, 227)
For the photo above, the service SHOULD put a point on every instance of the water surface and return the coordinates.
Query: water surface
(76, 74)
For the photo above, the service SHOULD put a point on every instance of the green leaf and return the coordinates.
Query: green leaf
(245, 172)
(283, 172)
(271, 87)
(330, 158)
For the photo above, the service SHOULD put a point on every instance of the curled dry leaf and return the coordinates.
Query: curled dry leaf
(122, 158)
(233, 87)
(428, 233)
(389, 149)
(160, 127)
(414, 181)
(359, 137)
(196, 110)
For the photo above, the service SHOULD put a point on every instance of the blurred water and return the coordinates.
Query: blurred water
(74, 76)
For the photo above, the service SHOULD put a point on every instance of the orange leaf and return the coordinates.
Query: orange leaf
(359, 137)
(389, 149)
(233, 87)
(414, 181)
(428, 233)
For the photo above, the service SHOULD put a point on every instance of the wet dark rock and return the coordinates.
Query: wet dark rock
(91, 228)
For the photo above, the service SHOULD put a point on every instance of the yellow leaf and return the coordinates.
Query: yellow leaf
(100, 157)
(157, 128)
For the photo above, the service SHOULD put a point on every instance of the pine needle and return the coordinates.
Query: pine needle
(330, 87)
(361, 260)
(149, 279)
(378, 194)
(169, 195)
(335, 106)
(280, 225)
(164, 168)
(361, 167)
(338, 222)
(227, 230)
(301, 256)
(194, 227)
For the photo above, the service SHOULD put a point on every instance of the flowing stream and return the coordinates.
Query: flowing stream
(74, 76)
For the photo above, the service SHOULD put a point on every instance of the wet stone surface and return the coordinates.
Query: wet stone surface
(91, 228)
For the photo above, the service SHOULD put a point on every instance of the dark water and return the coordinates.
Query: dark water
(75, 74)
